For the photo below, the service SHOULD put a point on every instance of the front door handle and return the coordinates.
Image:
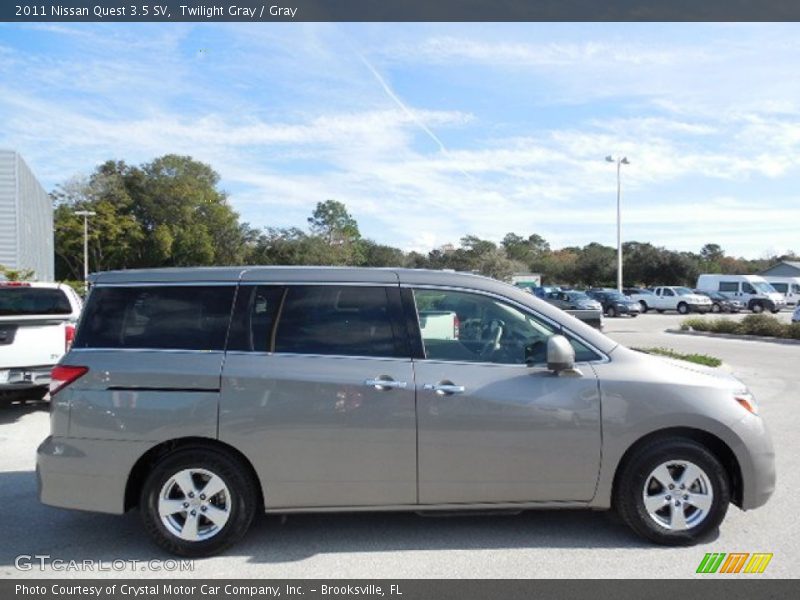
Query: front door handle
(444, 388)
(386, 383)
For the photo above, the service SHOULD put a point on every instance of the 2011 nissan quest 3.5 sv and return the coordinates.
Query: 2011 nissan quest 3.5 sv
(204, 395)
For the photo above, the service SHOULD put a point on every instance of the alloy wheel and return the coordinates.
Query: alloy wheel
(678, 495)
(194, 504)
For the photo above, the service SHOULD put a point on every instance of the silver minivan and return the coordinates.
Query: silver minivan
(205, 395)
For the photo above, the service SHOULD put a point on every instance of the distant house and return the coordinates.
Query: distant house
(785, 268)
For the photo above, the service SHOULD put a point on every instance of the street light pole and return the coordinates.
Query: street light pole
(85, 214)
(620, 162)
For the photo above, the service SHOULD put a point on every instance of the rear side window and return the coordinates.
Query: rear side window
(340, 320)
(30, 301)
(728, 286)
(163, 317)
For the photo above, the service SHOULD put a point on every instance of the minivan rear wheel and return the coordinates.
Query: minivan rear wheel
(197, 502)
(673, 492)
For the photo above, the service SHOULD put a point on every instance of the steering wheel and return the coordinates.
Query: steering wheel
(496, 328)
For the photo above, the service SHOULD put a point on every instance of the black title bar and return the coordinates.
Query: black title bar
(732, 588)
(399, 10)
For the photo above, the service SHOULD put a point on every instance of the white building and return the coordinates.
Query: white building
(26, 219)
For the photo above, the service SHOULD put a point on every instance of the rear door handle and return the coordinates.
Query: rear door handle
(444, 388)
(386, 384)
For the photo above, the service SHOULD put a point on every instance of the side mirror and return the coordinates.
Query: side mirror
(560, 354)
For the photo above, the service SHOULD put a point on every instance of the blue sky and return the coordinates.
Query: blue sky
(428, 132)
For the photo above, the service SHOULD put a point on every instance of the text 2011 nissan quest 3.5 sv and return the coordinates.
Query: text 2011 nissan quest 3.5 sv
(204, 395)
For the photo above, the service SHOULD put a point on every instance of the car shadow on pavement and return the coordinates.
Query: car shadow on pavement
(13, 411)
(30, 528)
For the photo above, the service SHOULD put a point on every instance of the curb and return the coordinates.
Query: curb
(733, 336)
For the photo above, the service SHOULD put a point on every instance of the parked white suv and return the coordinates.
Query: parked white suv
(37, 325)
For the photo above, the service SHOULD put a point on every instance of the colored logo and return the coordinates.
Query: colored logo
(735, 562)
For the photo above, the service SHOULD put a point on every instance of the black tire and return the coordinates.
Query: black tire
(611, 312)
(241, 503)
(630, 488)
(715, 308)
(757, 307)
(683, 308)
(643, 304)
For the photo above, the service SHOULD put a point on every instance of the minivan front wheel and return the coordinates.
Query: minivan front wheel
(673, 492)
(197, 502)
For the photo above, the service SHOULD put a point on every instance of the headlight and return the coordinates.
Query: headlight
(747, 401)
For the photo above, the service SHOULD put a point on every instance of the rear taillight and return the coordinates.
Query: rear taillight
(63, 375)
(456, 327)
(69, 337)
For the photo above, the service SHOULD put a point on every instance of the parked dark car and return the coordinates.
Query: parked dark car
(721, 303)
(543, 290)
(615, 304)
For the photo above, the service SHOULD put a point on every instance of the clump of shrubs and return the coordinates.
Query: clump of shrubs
(761, 325)
(792, 331)
(701, 359)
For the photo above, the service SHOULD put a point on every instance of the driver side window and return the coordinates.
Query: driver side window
(467, 327)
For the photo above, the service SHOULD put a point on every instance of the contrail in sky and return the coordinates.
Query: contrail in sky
(390, 92)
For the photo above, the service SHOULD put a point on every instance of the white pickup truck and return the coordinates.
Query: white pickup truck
(37, 325)
(678, 298)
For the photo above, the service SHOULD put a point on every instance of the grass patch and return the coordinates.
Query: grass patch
(759, 325)
(700, 359)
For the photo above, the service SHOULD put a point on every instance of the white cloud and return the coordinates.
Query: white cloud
(290, 117)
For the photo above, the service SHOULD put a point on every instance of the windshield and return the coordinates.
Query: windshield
(28, 301)
(763, 287)
(682, 291)
(617, 297)
(579, 297)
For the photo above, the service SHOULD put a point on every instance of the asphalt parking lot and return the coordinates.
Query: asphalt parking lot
(566, 544)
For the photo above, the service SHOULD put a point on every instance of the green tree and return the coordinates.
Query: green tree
(332, 222)
(712, 252)
(168, 212)
(596, 265)
(379, 255)
(475, 255)
(525, 250)
(115, 237)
